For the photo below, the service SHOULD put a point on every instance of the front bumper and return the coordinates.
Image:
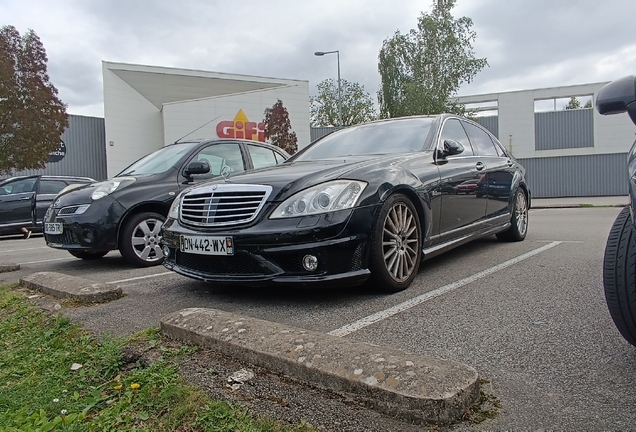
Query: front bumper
(271, 252)
(95, 229)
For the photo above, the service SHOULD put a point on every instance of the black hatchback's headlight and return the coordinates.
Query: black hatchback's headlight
(323, 198)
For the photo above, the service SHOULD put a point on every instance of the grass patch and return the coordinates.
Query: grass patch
(55, 376)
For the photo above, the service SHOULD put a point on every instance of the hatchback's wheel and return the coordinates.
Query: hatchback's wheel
(87, 255)
(140, 239)
(619, 275)
(518, 221)
(396, 245)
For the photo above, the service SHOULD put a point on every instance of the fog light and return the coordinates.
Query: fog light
(166, 251)
(88, 236)
(310, 262)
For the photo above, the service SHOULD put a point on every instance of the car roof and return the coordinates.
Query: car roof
(47, 177)
(225, 140)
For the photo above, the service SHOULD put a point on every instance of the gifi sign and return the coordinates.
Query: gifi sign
(241, 128)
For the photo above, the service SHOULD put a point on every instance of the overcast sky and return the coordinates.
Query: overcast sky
(528, 43)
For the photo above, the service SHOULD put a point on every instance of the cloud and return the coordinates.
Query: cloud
(528, 43)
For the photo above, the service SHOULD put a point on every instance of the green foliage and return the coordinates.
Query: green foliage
(278, 128)
(423, 69)
(357, 104)
(39, 392)
(32, 117)
(573, 103)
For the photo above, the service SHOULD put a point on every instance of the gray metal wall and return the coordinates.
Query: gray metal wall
(319, 132)
(85, 150)
(564, 129)
(590, 175)
(489, 122)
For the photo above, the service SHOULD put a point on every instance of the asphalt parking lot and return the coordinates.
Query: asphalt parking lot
(529, 316)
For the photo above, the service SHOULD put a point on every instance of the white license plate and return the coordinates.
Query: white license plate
(204, 245)
(53, 228)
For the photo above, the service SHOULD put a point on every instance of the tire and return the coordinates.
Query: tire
(396, 246)
(619, 276)
(87, 255)
(518, 221)
(140, 238)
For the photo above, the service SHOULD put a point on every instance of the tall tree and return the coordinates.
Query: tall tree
(32, 117)
(573, 103)
(357, 104)
(423, 69)
(278, 128)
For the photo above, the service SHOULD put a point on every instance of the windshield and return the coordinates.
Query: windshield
(398, 136)
(160, 161)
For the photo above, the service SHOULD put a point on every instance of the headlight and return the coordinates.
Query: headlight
(110, 186)
(174, 208)
(326, 197)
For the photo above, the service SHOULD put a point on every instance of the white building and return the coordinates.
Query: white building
(574, 152)
(148, 107)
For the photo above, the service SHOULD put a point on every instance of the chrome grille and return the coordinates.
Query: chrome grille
(223, 204)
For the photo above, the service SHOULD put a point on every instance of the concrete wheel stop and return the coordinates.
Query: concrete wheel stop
(9, 267)
(409, 386)
(64, 286)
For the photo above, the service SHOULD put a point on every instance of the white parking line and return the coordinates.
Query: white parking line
(27, 249)
(142, 277)
(382, 315)
(49, 260)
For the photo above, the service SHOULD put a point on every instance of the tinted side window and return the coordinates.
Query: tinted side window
(453, 130)
(262, 157)
(220, 156)
(19, 186)
(279, 158)
(51, 186)
(481, 140)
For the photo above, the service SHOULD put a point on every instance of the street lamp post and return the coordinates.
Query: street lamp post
(322, 53)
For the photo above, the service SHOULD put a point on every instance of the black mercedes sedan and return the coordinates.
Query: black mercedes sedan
(127, 211)
(364, 204)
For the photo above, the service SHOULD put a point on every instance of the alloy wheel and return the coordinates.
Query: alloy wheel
(521, 213)
(400, 242)
(146, 240)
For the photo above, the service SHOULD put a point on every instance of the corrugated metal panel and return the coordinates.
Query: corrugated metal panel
(319, 132)
(564, 129)
(85, 150)
(489, 122)
(591, 175)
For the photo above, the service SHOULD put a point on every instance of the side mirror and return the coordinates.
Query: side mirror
(196, 167)
(617, 97)
(452, 147)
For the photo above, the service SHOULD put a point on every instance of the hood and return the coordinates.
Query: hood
(82, 195)
(291, 177)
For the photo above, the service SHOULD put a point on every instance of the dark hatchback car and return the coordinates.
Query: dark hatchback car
(619, 264)
(25, 199)
(366, 203)
(127, 211)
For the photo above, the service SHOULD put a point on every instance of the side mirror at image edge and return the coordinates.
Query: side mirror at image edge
(618, 97)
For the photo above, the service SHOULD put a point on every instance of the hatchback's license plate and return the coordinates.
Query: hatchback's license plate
(204, 245)
(53, 228)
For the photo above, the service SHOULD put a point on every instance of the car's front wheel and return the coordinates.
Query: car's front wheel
(619, 275)
(518, 221)
(87, 255)
(396, 245)
(140, 239)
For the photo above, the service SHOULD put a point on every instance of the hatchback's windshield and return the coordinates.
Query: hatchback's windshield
(159, 161)
(389, 137)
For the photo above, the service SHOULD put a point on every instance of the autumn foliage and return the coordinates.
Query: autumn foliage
(32, 117)
(278, 128)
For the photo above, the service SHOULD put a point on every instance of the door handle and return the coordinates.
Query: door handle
(480, 166)
(25, 198)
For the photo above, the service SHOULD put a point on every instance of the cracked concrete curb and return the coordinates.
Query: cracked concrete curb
(9, 267)
(412, 387)
(64, 286)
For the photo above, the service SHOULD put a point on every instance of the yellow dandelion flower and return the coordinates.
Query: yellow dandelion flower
(134, 386)
(118, 387)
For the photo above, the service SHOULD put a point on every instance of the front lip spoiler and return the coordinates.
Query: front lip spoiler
(338, 280)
